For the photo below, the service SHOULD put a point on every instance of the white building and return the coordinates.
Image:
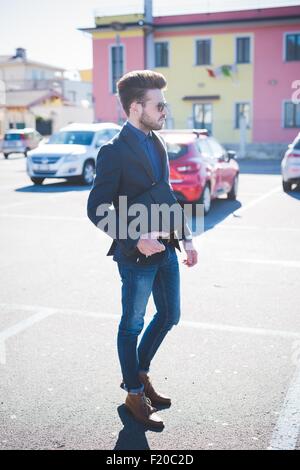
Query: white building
(38, 95)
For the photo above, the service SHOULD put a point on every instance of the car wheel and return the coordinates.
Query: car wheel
(88, 172)
(205, 199)
(286, 185)
(234, 189)
(37, 180)
(25, 153)
(6, 155)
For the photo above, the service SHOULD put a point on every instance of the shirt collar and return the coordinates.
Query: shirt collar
(140, 134)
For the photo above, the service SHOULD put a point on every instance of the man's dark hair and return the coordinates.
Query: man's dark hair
(134, 85)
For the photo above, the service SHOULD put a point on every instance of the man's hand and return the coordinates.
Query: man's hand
(192, 254)
(148, 243)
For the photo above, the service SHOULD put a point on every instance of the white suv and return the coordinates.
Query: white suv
(70, 153)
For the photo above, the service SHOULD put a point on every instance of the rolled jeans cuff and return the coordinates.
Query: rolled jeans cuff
(134, 391)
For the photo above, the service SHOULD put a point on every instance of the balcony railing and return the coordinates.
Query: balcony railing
(13, 85)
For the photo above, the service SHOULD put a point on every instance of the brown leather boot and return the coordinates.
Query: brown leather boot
(155, 397)
(140, 407)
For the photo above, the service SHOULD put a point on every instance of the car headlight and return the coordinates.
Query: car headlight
(70, 158)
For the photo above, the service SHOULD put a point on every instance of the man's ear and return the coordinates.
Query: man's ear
(134, 108)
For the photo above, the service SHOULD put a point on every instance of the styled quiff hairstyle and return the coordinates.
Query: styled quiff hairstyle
(134, 85)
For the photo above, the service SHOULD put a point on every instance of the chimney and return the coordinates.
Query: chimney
(20, 53)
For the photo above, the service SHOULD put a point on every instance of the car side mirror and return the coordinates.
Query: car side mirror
(231, 154)
(222, 158)
(99, 144)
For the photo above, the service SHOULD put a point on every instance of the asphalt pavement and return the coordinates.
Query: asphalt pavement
(232, 365)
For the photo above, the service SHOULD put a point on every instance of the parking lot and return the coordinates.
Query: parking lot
(231, 365)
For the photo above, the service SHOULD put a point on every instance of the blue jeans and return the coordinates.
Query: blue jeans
(138, 281)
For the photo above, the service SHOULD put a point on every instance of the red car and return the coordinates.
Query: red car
(200, 168)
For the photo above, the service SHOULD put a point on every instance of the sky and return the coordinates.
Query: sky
(48, 29)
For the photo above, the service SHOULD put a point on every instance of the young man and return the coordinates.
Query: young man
(129, 165)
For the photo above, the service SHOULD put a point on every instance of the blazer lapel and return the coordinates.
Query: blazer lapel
(163, 155)
(137, 151)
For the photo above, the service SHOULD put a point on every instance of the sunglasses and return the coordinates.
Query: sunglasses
(160, 106)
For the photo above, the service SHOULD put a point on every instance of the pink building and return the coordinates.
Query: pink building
(260, 49)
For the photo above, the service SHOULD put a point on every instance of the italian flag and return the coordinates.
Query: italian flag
(222, 71)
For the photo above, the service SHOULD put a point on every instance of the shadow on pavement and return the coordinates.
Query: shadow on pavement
(13, 157)
(133, 435)
(63, 186)
(220, 209)
(295, 193)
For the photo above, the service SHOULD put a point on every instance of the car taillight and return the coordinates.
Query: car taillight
(293, 155)
(190, 167)
(22, 137)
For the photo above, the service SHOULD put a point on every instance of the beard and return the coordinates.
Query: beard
(150, 124)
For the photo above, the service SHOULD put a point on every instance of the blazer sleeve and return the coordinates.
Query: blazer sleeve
(104, 192)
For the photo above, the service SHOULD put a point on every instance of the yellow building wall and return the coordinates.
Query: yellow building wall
(53, 102)
(186, 79)
(107, 20)
(86, 75)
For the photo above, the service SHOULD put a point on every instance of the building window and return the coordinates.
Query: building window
(242, 50)
(73, 96)
(161, 54)
(292, 47)
(117, 66)
(202, 114)
(203, 52)
(242, 109)
(291, 115)
(34, 74)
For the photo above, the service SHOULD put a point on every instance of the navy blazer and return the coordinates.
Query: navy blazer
(124, 169)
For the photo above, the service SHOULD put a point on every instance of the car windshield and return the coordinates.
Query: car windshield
(12, 136)
(72, 137)
(176, 150)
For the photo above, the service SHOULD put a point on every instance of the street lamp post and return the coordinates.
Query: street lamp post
(116, 26)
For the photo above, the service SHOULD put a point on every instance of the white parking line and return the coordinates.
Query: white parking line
(241, 210)
(21, 326)
(256, 227)
(286, 432)
(45, 312)
(274, 262)
(14, 204)
(50, 197)
(44, 217)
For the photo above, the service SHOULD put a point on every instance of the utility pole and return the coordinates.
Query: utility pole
(118, 73)
(243, 130)
(117, 27)
(149, 42)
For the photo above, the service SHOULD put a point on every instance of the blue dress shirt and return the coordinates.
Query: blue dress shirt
(147, 142)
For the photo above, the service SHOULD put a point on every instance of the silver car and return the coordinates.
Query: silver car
(20, 141)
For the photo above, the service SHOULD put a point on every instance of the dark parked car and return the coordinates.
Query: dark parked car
(20, 141)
